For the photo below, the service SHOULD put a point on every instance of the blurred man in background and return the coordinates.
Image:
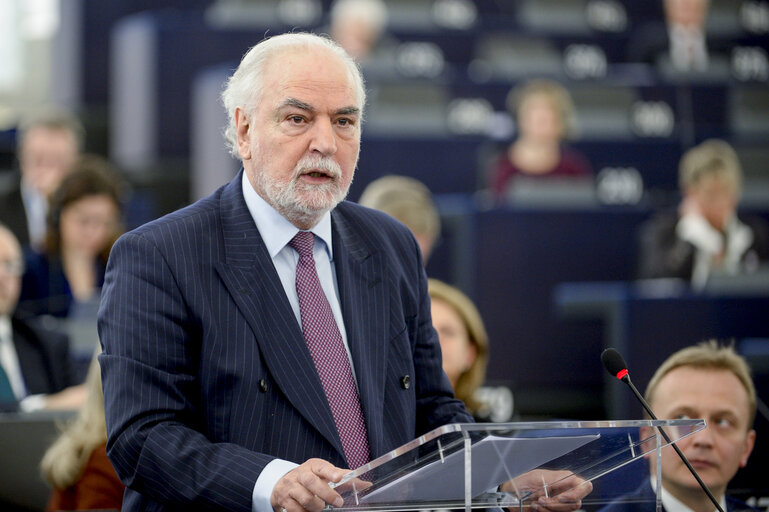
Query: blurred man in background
(358, 25)
(35, 367)
(48, 145)
(679, 42)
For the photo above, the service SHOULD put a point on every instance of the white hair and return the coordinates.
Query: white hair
(244, 87)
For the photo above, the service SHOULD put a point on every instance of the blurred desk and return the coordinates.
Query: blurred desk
(649, 320)
(516, 258)
(24, 438)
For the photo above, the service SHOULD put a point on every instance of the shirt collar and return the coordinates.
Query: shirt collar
(32, 196)
(5, 328)
(276, 230)
(673, 504)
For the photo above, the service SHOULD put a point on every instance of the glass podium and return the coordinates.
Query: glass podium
(511, 465)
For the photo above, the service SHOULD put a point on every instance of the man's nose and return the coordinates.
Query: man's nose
(703, 438)
(323, 137)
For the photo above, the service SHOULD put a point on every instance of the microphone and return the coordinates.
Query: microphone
(615, 364)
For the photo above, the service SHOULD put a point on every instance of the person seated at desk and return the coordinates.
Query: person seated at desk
(409, 201)
(702, 381)
(83, 222)
(358, 25)
(35, 367)
(544, 113)
(48, 145)
(705, 235)
(465, 353)
(76, 464)
(678, 45)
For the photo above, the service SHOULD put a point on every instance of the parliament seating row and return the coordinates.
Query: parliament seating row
(514, 261)
(157, 56)
(602, 17)
(447, 143)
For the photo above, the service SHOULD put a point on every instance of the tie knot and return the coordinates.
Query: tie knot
(303, 243)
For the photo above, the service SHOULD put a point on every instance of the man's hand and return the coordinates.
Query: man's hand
(306, 487)
(556, 491)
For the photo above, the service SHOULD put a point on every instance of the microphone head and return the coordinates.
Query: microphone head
(614, 363)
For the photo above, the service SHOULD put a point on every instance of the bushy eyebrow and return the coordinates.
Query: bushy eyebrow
(293, 102)
(348, 111)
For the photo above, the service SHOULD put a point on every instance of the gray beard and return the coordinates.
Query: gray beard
(321, 198)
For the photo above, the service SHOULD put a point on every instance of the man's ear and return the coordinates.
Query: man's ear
(750, 442)
(243, 132)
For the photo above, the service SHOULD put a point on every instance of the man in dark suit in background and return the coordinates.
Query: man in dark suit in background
(216, 392)
(48, 145)
(681, 45)
(35, 367)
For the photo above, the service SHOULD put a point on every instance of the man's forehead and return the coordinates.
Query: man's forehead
(50, 131)
(311, 77)
(696, 388)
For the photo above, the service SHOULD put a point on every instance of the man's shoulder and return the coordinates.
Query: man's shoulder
(188, 221)
(636, 501)
(11, 201)
(371, 227)
(365, 217)
(736, 505)
(39, 331)
(10, 188)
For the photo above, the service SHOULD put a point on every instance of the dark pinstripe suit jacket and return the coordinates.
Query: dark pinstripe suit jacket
(206, 374)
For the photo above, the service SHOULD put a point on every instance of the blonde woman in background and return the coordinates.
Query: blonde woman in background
(545, 119)
(76, 464)
(465, 350)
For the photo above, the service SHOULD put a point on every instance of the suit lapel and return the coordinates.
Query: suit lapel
(360, 273)
(250, 277)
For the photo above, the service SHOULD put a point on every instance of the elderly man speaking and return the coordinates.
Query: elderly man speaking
(265, 338)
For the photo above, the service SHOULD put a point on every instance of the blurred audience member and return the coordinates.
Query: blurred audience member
(409, 201)
(357, 25)
(83, 222)
(703, 381)
(706, 235)
(48, 146)
(76, 464)
(35, 367)
(465, 351)
(679, 43)
(544, 113)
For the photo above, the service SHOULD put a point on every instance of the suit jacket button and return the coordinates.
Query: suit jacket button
(405, 382)
(263, 386)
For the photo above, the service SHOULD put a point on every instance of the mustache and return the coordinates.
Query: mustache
(318, 163)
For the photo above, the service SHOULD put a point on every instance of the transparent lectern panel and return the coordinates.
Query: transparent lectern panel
(509, 464)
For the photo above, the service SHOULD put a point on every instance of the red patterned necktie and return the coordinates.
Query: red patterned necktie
(329, 354)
